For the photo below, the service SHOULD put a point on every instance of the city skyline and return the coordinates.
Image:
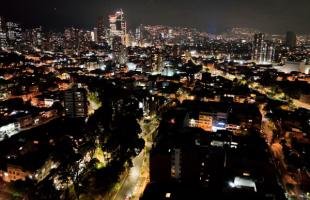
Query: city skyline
(154, 99)
(212, 16)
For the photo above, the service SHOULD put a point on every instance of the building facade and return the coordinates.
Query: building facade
(76, 103)
(118, 27)
(262, 52)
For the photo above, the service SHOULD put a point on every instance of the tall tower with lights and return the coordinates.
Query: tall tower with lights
(118, 27)
(100, 30)
(259, 47)
(3, 37)
(262, 52)
(291, 39)
(14, 33)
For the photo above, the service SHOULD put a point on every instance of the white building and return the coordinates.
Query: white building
(9, 130)
(291, 66)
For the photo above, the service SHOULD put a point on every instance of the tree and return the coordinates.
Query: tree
(66, 152)
(45, 191)
(20, 187)
(58, 107)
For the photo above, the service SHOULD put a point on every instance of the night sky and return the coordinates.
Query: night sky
(276, 16)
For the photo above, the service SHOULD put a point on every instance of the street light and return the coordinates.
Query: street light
(168, 195)
(231, 184)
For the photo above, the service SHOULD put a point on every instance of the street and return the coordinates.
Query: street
(131, 180)
(275, 147)
(132, 186)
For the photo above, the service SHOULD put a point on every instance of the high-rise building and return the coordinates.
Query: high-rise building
(3, 38)
(34, 37)
(184, 156)
(14, 33)
(139, 35)
(121, 55)
(258, 47)
(119, 51)
(100, 30)
(158, 62)
(76, 103)
(71, 36)
(55, 41)
(176, 51)
(118, 26)
(270, 54)
(262, 52)
(291, 39)
(84, 39)
(95, 35)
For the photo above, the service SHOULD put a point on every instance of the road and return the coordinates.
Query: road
(134, 183)
(40, 124)
(278, 157)
(131, 180)
(34, 126)
(301, 104)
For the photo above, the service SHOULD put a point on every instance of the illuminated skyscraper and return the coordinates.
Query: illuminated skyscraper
(258, 48)
(34, 37)
(139, 35)
(71, 36)
(14, 33)
(176, 51)
(290, 39)
(158, 61)
(118, 26)
(119, 51)
(121, 55)
(94, 35)
(3, 38)
(262, 52)
(100, 30)
(270, 53)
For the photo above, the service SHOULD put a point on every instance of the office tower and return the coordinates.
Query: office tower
(71, 36)
(116, 43)
(3, 38)
(55, 41)
(14, 33)
(262, 51)
(95, 35)
(170, 33)
(122, 55)
(184, 156)
(84, 39)
(258, 47)
(119, 51)
(100, 30)
(34, 36)
(270, 53)
(76, 103)
(139, 35)
(118, 26)
(158, 62)
(176, 51)
(290, 39)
